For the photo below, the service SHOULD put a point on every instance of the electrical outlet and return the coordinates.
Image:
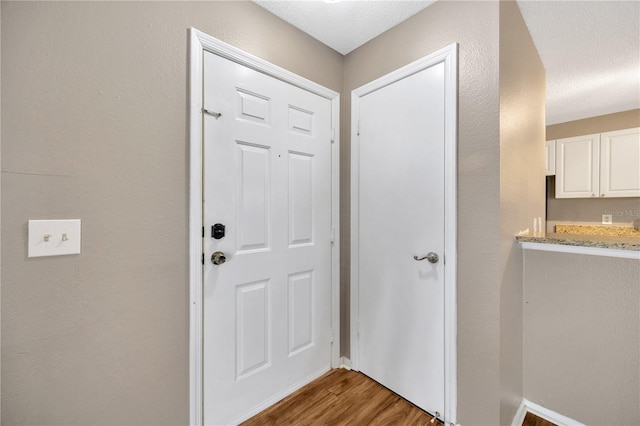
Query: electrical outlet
(607, 219)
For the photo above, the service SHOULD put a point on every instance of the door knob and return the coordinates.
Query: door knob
(218, 258)
(431, 257)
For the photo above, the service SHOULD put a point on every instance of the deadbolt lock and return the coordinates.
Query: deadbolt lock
(218, 258)
(217, 231)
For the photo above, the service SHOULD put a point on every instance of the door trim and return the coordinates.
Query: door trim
(200, 42)
(448, 56)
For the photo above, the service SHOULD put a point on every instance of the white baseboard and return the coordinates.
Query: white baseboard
(544, 413)
(518, 419)
(345, 363)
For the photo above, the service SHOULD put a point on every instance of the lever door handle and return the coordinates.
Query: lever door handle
(431, 257)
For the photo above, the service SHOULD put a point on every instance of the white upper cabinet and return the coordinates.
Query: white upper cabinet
(620, 163)
(577, 167)
(599, 165)
(550, 157)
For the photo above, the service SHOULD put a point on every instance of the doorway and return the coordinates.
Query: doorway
(263, 220)
(403, 238)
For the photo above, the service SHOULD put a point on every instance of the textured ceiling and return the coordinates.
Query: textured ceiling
(347, 24)
(590, 49)
(591, 52)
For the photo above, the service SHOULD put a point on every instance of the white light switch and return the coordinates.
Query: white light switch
(607, 219)
(54, 237)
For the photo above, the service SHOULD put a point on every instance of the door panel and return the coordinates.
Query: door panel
(253, 196)
(267, 178)
(300, 309)
(300, 199)
(401, 215)
(252, 319)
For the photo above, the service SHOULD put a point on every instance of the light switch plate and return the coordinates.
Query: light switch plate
(607, 219)
(54, 237)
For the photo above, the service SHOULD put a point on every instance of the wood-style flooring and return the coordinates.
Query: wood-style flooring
(533, 420)
(343, 397)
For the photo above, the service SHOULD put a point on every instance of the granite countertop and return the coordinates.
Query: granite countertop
(611, 230)
(582, 240)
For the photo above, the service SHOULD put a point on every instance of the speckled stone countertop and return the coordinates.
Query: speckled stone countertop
(612, 230)
(581, 240)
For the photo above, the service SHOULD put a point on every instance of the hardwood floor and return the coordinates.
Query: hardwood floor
(343, 397)
(533, 420)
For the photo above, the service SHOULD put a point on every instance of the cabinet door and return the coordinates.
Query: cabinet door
(550, 156)
(577, 167)
(620, 163)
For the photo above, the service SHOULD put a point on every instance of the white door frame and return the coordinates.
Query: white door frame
(448, 56)
(200, 42)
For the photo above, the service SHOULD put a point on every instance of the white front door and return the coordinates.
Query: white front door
(267, 180)
(400, 176)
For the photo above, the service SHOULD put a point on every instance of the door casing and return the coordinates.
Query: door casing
(448, 56)
(198, 43)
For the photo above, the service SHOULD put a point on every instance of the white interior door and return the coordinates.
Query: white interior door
(267, 179)
(400, 323)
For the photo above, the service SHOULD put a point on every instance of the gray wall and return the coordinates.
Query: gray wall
(589, 210)
(624, 210)
(598, 124)
(582, 336)
(94, 126)
(94, 104)
(522, 144)
(498, 193)
(474, 25)
(0, 207)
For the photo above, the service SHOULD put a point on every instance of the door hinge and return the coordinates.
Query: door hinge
(331, 336)
(203, 232)
(202, 260)
(358, 328)
(358, 129)
(333, 235)
(333, 135)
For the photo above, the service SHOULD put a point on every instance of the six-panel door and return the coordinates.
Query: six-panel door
(267, 179)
